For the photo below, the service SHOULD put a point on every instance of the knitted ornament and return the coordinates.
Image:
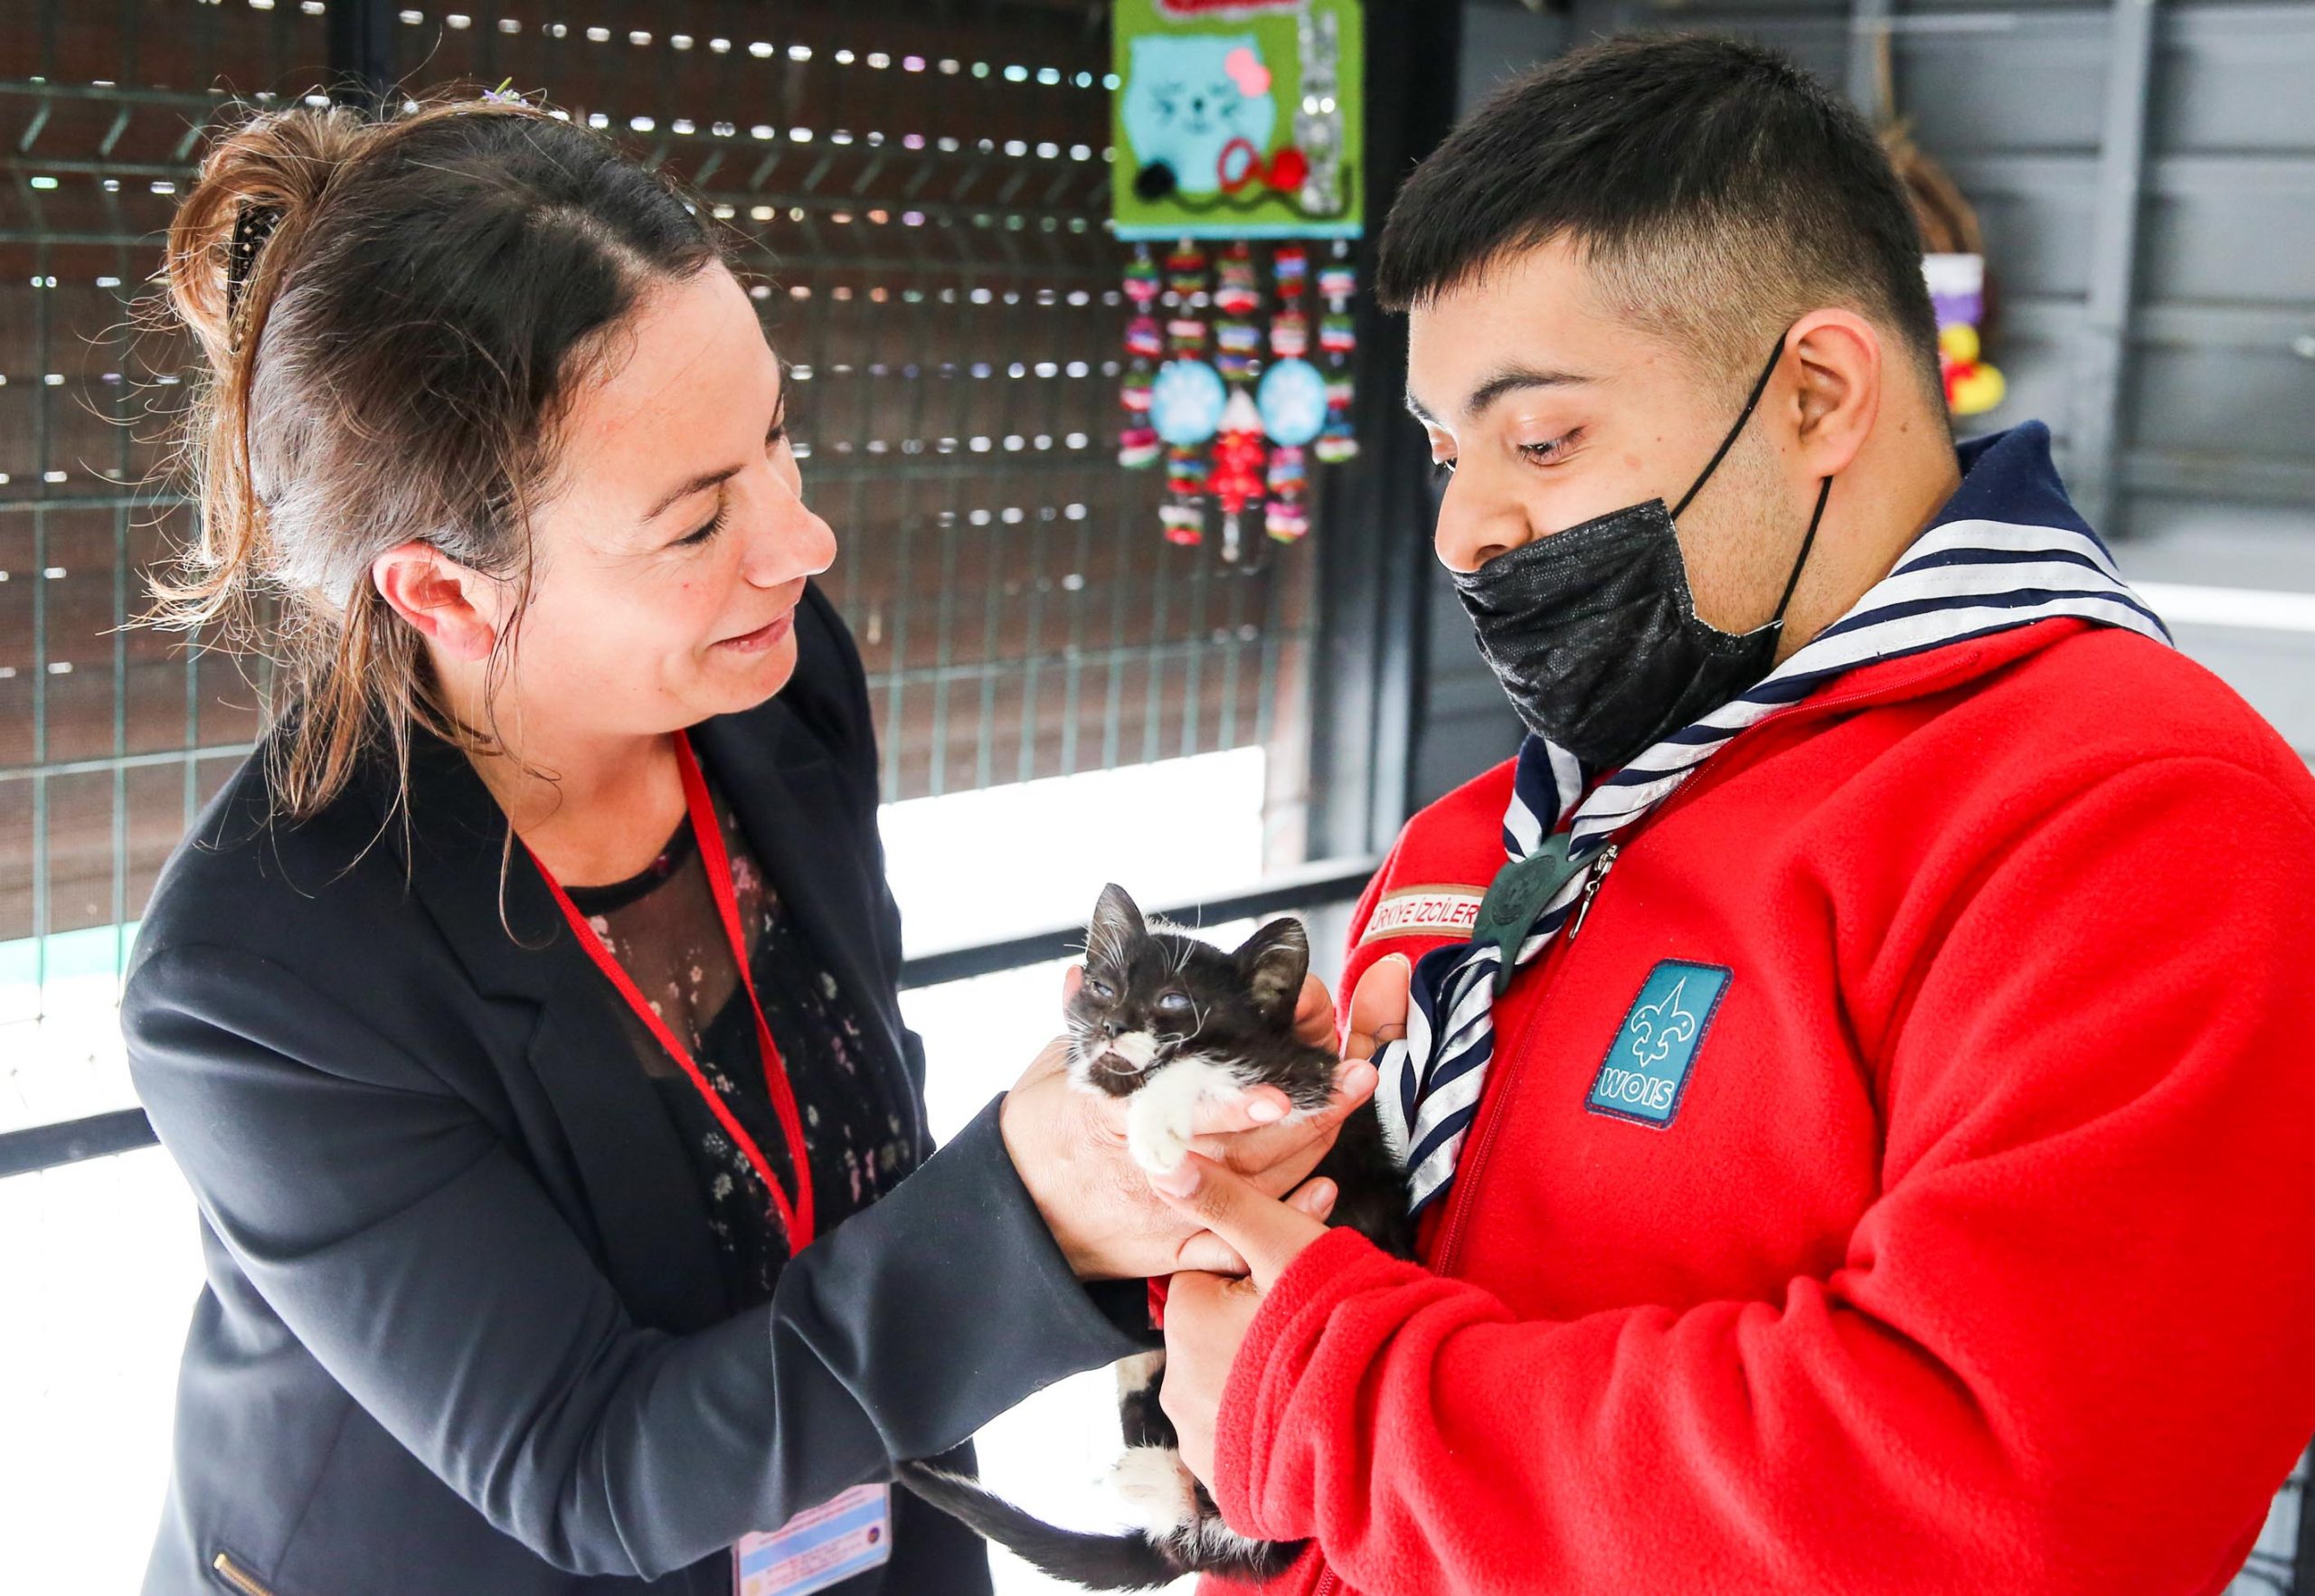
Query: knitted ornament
(1185, 401)
(1186, 335)
(1284, 518)
(1185, 470)
(1231, 400)
(1239, 456)
(1144, 342)
(1186, 271)
(1141, 280)
(1290, 268)
(1338, 341)
(1237, 295)
(1337, 443)
(1289, 335)
(1292, 398)
(1186, 397)
(1239, 342)
(1183, 515)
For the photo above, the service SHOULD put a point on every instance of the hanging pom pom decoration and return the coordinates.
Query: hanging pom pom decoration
(1236, 297)
(1238, 410)
(1292, 398)
(1284, 516)
(1338, 341)
(1240, 454)
(1144, 342)
(1186, 397)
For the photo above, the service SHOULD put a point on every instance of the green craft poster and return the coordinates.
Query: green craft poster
(1238, 118)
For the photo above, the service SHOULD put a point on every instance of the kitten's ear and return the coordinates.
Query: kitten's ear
(1274, 960)
(1117, 924)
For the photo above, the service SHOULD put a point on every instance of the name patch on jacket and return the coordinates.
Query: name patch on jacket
(1425, 911)
(1647, 1067)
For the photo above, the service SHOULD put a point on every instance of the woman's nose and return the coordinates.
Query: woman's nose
(794, 543)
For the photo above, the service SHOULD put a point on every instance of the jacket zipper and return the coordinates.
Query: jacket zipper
(1451, 1238)
(1600, 868)
(233, 1575)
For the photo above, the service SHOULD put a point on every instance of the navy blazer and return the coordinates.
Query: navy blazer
(463, 1328)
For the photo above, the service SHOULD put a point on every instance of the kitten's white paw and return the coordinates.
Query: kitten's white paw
(1155, 1489)
(1159, 1117)
(1158, 1140)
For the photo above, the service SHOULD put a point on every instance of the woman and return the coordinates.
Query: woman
(523, 1014)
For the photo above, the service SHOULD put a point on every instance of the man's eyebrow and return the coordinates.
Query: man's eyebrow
(707, 479)
(1515, 380)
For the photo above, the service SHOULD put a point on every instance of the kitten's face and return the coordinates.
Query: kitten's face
(1148, 997)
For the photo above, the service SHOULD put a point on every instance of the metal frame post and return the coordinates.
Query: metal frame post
(1869, 25)
(2102, 352)
(1373, 539)
(361, 51)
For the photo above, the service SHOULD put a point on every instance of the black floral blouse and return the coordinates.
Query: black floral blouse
(662, 926)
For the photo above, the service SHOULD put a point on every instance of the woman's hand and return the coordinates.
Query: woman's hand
(1069, 1147)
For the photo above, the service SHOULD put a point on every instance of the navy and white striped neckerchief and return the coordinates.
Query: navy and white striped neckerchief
(2007, 551)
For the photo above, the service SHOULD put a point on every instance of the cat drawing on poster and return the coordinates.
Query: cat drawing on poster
(1189, 97)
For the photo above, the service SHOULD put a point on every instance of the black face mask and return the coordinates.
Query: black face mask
(1594, 634)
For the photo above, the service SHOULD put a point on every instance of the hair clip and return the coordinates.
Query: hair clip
(251, 229)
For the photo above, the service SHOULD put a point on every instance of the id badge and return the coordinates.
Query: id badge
(820, 1546)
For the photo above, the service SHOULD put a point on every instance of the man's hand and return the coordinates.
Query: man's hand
(1207, 1315)
(1069, 1148)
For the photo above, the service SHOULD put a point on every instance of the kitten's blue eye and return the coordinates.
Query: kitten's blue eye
(1174, 1002)
(1100, 988)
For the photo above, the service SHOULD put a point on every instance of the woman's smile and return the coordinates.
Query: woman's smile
(765, 635)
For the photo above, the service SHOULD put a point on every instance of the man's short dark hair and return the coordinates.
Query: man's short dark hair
(1716, 192)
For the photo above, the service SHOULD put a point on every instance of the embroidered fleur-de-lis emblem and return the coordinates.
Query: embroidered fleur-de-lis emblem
(1659, 1027)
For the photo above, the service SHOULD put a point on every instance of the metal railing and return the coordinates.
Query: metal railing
(1313, 886)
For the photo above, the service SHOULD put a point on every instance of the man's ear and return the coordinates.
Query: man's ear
(448, 603)
(1839, 357)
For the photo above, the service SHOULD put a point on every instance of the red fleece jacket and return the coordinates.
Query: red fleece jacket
(1975, 1255)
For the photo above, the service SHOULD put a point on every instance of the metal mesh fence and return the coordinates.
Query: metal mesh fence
(921, 190)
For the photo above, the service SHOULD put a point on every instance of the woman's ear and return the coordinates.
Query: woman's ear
(446, 602)
(1838, 359)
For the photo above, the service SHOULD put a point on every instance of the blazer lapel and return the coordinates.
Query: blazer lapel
(651, 1221)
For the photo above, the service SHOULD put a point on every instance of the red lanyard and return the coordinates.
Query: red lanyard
(796, 1218)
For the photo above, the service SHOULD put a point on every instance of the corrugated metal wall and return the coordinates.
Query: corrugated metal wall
(2158, 312)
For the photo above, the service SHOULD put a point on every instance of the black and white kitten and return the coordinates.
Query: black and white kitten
(1166, 1020)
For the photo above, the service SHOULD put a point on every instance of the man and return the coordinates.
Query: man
(1857, 1086)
